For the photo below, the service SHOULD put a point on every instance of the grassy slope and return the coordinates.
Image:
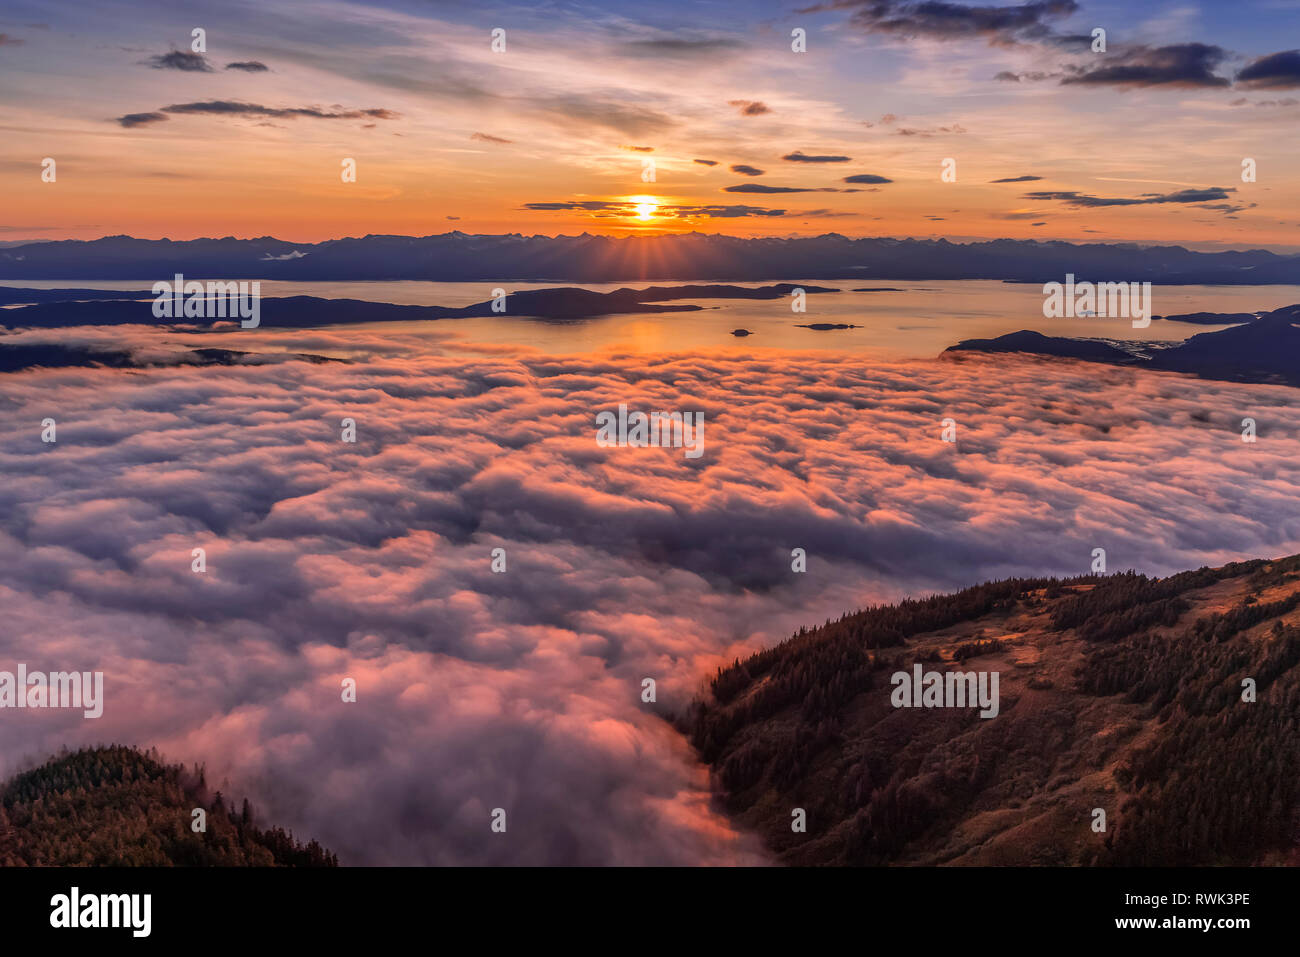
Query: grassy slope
(1121, 692)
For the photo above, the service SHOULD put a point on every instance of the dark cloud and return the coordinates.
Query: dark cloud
(1276, 71)
(590, 204)
(141, 119)
(747, 170)
(181, 60)
(7, 40)
(760, 188)
(750, 107)
(721, 212)
(667, 211)
(1146, 199)
(1179, 65)
(798, 156)
(640, 149)
(249, 66)
(866, 178)
(1026, 22)
(1016, 179)
(488, 138)
(234, 108)
(706, 162)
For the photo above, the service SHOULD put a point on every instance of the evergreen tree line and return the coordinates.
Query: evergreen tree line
(119, 806)
(818, 671)
(1220, 784)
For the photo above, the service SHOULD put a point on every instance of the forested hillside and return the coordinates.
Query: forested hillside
(1121, 693)
(117, 806)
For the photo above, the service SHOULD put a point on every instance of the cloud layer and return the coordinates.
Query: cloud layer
(521, 690)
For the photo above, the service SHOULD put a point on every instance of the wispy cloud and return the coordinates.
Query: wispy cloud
(1146, 199)
(234, 108)
(1178, 65)
(937, 19)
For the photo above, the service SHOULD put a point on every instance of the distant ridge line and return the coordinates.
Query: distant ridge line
(513, 257)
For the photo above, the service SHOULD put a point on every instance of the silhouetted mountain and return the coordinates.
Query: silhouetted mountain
(1265, 350)
(87, 307)
(15, 357)
(1211, 318)
(457, 256)
(1026, 340)
(1121, 693)
(117, 806)
(20, 295)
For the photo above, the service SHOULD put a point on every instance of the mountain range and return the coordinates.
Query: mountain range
(458, 256)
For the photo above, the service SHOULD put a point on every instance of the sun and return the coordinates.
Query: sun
(645, 207)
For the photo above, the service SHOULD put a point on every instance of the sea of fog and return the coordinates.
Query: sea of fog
(921, 320)
(521, 688)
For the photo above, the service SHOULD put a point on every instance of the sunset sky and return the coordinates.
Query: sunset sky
(1142, 143)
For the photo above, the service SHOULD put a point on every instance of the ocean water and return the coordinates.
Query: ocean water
(920, 320)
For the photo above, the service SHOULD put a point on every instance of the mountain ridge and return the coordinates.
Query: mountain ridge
(457, 256)
(1120, 693)
(119, 806)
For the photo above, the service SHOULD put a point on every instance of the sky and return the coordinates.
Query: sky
(1049, 139)
(372, 560)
